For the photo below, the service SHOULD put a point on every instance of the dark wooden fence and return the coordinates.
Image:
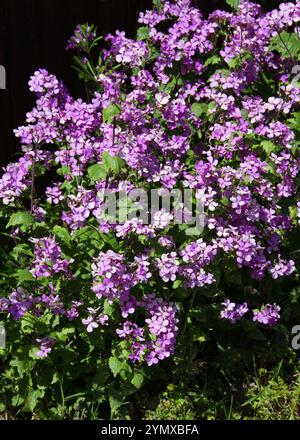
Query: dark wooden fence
(33, 34)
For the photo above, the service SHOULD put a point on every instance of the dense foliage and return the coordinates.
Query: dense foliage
(204, 104)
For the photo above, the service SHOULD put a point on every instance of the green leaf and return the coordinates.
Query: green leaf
(157, 4)
(108, 308)
(193, 231)
(112, 163)
(110, 112)
(294, 122)
(33, 351)
(21, 249)
(143, 33)
(287, 44)
(268, 147)
(225, 201)
(215, 59)
(23, 275)
(20, 218)
(116, 400)
(23, 365)
(28, 323)
(137, 380)
(199, 108)
(115, 365)
(64, 334)
(153, 54)
(32, 398)
(177, 283)
(62, 171)
(17, 400)
(233, 3)
(96, 172)
(62, 234)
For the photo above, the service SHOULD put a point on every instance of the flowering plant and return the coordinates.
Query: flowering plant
(192, 103)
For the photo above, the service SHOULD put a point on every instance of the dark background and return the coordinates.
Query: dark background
(34, 33)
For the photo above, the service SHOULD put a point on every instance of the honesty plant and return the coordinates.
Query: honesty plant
(192, 103)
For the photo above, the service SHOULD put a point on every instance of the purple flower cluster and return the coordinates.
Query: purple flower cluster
(161, 327)
(94, 319)
(188, 113)
(268, 315)
(196, 255)
(232, 311)
(19, 303)
(46, 345)
(17, 177)
(82, 36)
(54, 194)
(168, 266)
(48, 259)
(126, 51)
(112, 278)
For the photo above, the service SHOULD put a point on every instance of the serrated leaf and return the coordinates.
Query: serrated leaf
(32, 398)
(143, 33)
(268, 147)
(112, 163)
(157, 4)
(115, 365)
(96, 172)
(23, 365)
(21, 249)
(215, 59)
(64, 334)
(233, 3)
(137, 380)
(108, 308)
(116, 399)
(287, 44)
(20, 218)
(17, 400)
(62, 171)
(199, 108)
(294, 122)
(28, 323)
(33, 351)
(23, 275)
(62, 234)
(110, 112)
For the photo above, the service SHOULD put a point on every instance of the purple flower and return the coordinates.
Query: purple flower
(54, 195)
(282, 268)
(46, 345)
(168, 265)
(268, 315)
(162, 326)
(90, 323)
(94, 319)
(48, 259)
(233, 312)
(183, 122)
